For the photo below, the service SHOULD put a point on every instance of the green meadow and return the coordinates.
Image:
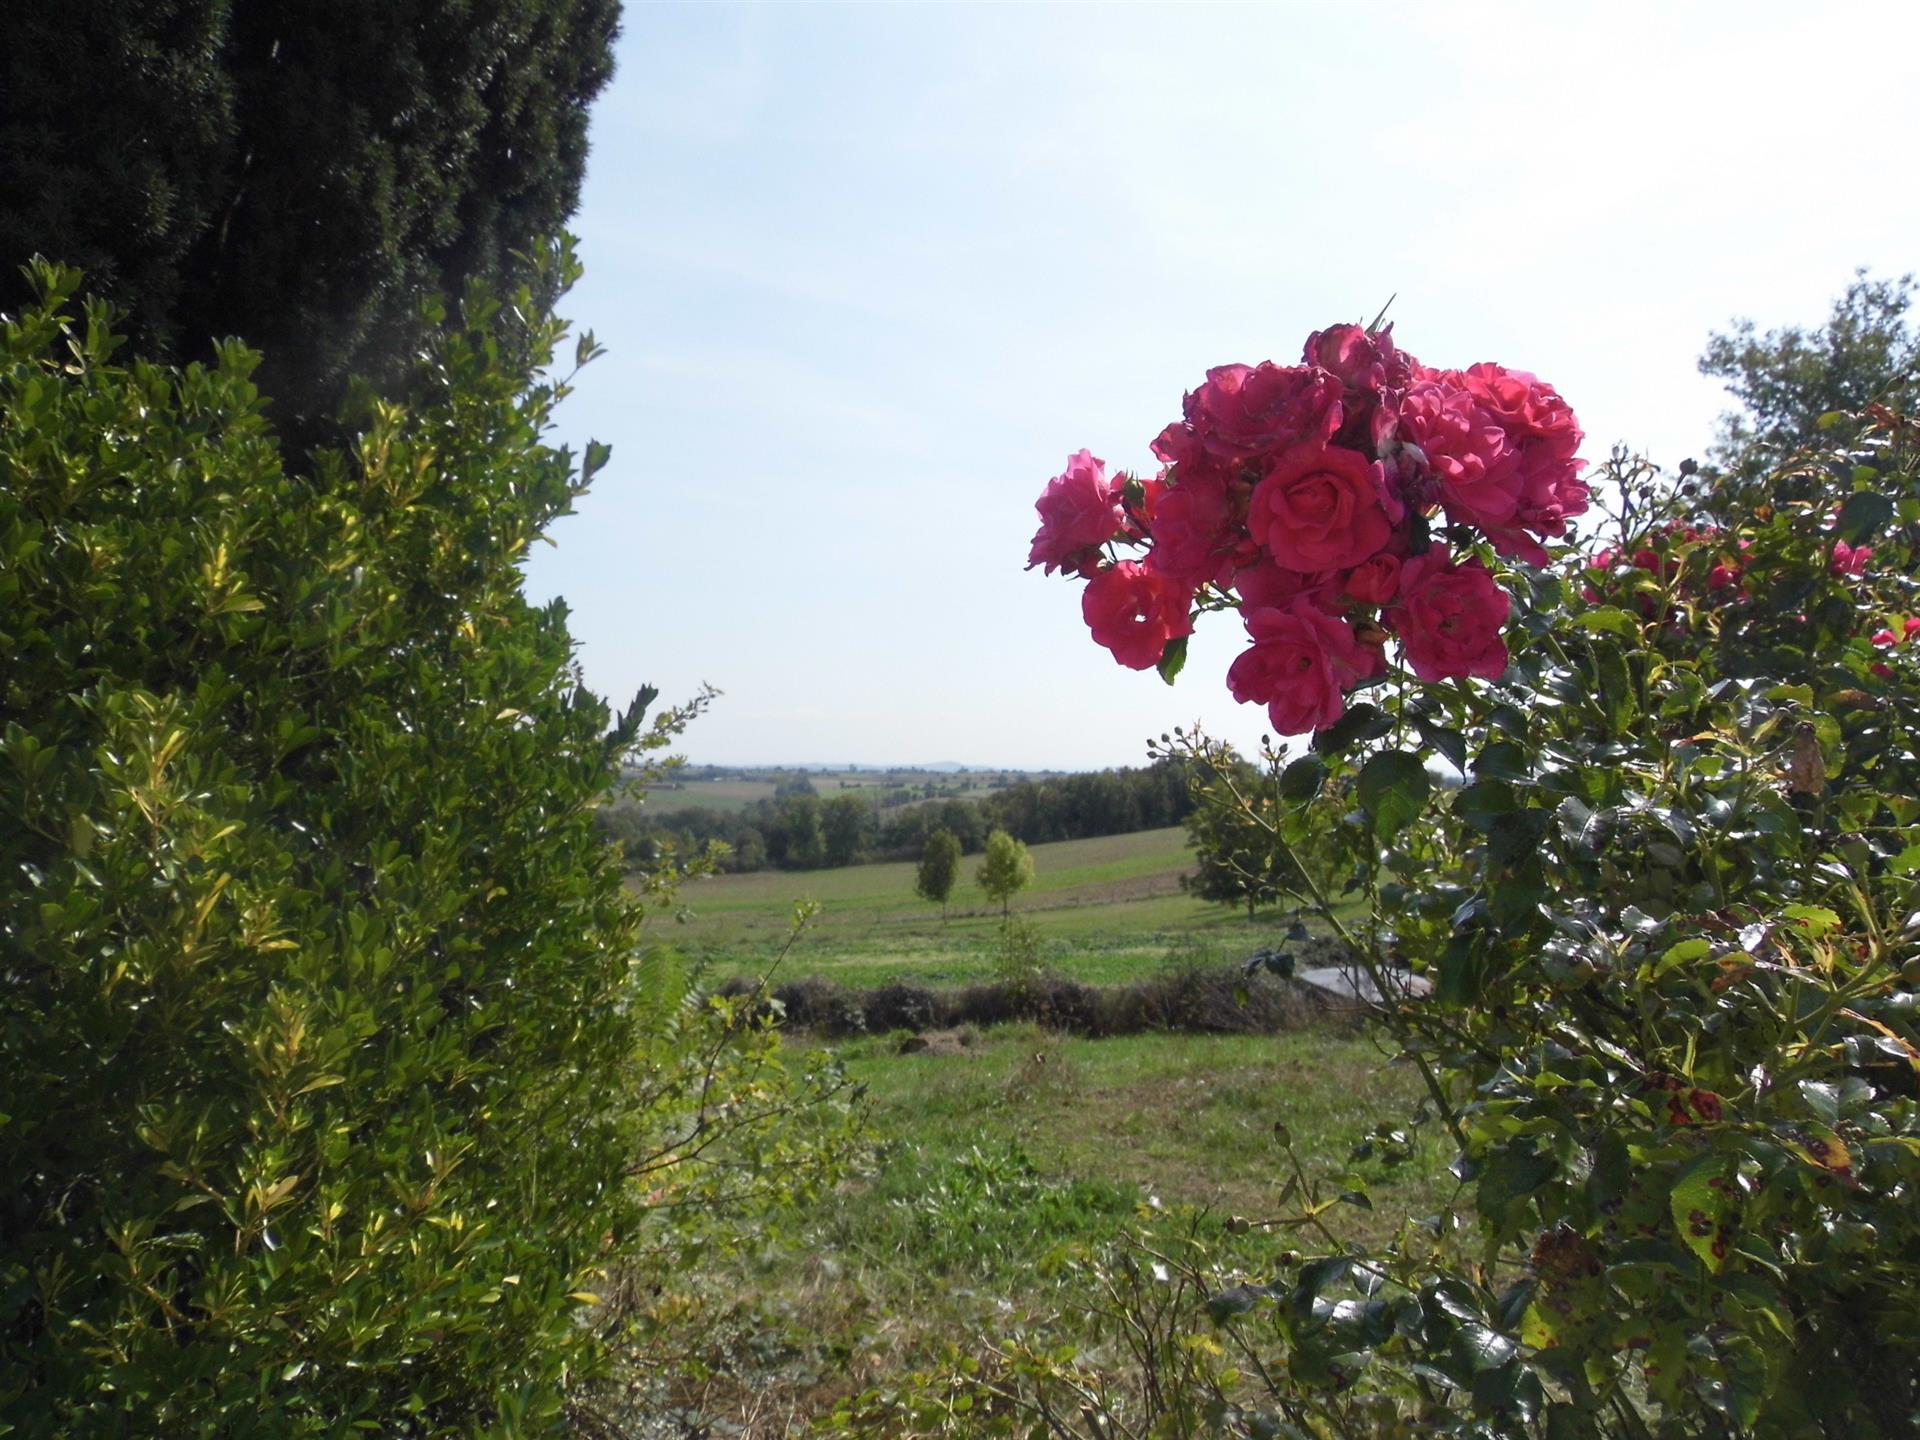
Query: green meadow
(1007, 1159)
(1104, 910)
(1007, 1164)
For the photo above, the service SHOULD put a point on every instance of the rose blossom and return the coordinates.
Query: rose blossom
(1322, 508)
(1375, 580)
(1192, 524)
(1524, 406)
(1468, 452)
(1885, 639)
(1551, 493)
(1079, 511)
(1264, 585)
(1501, 446)
(1245, 411)
(1850, 559)
(1134, 612)
(1300, 666)
(1449, 617)
(1544, 438)
(1360, 361)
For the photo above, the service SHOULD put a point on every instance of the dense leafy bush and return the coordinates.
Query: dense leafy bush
(1670, 923)
(322, 1059)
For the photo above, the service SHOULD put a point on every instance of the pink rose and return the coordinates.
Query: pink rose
(1134, 612)
(1850, 559)
(1247, 411)
(1192, 524)
(1300, 666)
(1543, 437)
(1264, 585)
(1375, 580)
(1360, 361)
(1449, 617)
(1349, 354)
(1551, 492)
(1525, 407)
(1178, 445)
(1079, 511)
(1465, 449)
(1501, 446)
(1322, 508)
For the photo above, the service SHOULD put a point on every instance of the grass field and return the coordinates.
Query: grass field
(1105, 910)
(1008, 1161)
(732, 794)
(728, 796)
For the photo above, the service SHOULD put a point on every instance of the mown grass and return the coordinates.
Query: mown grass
(1008, 1162)
(1104, 910)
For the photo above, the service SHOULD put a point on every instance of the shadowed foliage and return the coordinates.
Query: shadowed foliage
(296, 174)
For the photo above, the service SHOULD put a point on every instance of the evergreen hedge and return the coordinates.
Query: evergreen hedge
(318, 1008)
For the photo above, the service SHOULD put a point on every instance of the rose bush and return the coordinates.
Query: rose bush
(1655, 951)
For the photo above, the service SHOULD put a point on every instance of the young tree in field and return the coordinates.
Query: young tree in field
(299, 174)
(1006, 871)
(1235, 857)
(939, 869)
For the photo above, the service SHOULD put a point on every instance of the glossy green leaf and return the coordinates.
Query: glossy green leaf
(1393, 786)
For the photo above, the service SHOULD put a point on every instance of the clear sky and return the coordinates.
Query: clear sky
(867, 274)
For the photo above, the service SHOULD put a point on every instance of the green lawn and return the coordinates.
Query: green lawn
(1105, 910)
(1008, 1160)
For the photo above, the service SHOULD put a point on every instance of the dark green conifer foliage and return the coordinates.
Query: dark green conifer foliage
(296, 173)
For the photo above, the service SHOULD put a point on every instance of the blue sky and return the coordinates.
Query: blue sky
(867, 274)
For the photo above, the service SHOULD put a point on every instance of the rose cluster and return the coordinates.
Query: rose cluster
(1304, 496)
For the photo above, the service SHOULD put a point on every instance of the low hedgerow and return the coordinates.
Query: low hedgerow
(1219, 1000)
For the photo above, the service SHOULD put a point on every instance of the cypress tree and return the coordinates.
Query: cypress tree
(297, 173)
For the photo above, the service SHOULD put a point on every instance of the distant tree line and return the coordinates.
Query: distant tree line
(800, 830)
